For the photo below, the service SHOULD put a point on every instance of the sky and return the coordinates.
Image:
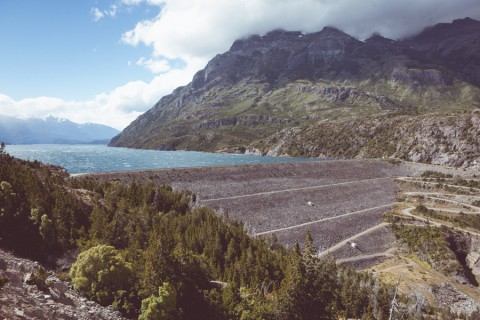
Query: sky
(108, 61)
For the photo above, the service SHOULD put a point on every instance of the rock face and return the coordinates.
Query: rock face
(473, 258)
(444, 139)
(286, 80)
(453, 44)
(21, 297)
(449, 297)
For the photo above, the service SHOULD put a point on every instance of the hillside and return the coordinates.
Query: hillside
(52, 130)
(445, 139)
(147, 252)
(341, 204)
(295, 81)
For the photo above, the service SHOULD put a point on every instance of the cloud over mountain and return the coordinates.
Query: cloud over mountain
(186, 34)
(203, 28)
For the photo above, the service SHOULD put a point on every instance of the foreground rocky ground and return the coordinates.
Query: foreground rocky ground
(20, 297)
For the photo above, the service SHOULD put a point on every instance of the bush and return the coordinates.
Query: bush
(435, 174)
(163, 306)
(102, 274)
(39, 278)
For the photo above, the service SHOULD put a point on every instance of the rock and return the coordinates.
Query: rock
(473, 257)
(28, 278)
(20, 300)
(253, 152)
(19, 312)
(449, 297)
(57, 284)
(3, 265)
(56, 295)
(451, 140)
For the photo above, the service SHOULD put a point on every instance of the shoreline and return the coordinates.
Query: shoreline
(413, 168)
(134, 171)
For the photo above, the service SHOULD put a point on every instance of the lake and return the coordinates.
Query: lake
(100, 158)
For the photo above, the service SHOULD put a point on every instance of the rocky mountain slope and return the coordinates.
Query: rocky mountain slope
(266, 86)
(445, 139)
(52, 130)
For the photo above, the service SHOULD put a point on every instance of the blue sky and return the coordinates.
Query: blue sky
(56, 48)
(108, 61)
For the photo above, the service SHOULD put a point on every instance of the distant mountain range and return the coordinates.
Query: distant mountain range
(15, 130)
(288, 93)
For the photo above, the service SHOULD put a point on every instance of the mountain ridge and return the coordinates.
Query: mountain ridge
(54, 130)
(286, 79)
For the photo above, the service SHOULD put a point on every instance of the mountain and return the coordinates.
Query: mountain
(52, 130)
(266, 86)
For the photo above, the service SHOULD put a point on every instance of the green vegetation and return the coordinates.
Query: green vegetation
(217, 117)
(163, 306)
(462, 220)
(457, 97)
(102, 274)
(429, 244)
(467, 183)
(39, 216)
(39, 278)
(435, 175)
(149, 254)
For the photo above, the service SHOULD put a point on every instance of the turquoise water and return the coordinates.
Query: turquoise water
(100, 158)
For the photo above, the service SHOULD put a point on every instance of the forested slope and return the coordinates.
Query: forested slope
(147, 252)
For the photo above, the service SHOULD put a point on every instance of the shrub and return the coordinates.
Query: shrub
(102, 274)
(163, 306)
(39, 278)
(435, 174)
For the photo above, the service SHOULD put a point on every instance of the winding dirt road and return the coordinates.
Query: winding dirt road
(407, 212)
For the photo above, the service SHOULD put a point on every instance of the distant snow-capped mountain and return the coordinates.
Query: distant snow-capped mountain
(17, 130)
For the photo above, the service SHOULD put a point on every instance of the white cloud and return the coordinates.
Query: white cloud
(203, 28)
(97, 14)
(116, 108)
(131, 2)
(112, 11)
(155, 66)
